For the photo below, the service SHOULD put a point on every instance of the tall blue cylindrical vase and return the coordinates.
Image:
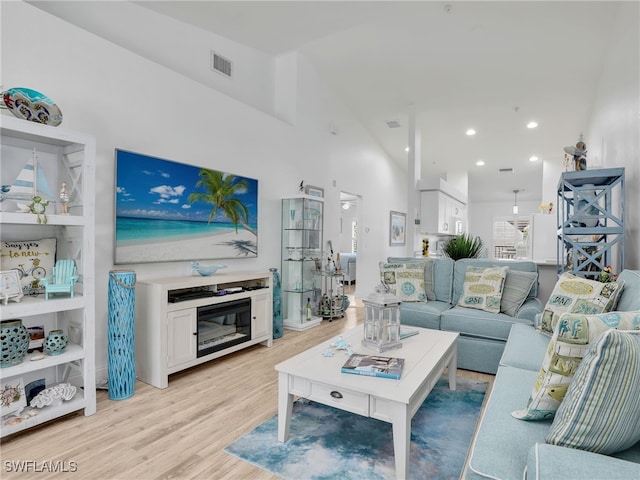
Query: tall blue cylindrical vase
(122, 362)
(278, 326)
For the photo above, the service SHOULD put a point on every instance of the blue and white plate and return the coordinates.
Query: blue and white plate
(32, 105)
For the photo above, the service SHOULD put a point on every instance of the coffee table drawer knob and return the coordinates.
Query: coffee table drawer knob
(336, 394)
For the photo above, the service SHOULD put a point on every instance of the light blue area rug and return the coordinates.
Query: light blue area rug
(327, 443)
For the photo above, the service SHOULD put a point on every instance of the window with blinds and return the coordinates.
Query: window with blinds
(511, 238)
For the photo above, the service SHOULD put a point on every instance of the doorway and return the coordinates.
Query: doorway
(349, 238)
(349, 214)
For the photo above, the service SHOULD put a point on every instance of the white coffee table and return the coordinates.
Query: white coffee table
(313, 376)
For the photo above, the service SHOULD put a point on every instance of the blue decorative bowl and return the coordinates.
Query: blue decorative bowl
(206, 271)
(14, 342)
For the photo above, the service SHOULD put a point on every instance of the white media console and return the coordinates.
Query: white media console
(167, 335)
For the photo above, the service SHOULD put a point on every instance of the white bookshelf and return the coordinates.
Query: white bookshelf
(70, 157)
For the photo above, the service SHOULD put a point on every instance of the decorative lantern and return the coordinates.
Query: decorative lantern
(381, 320)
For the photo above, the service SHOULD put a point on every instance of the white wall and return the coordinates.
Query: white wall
(551, 171)
(133, 103)
(613, 139)
(165, 41)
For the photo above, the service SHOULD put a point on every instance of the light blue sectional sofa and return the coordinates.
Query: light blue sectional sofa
(508, 448)
(483, 335)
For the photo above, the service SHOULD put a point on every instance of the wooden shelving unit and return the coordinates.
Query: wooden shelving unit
(590, 229)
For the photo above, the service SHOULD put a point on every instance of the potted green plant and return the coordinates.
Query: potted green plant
(463, 246)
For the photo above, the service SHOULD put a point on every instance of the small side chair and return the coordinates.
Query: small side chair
(62, 280)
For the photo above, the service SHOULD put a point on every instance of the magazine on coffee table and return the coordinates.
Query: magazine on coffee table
(374, 366)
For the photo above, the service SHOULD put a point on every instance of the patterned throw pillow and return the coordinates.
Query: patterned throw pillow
(405, 280)
(601, 411)
(428, 279)
(483, 288)
(577, 295)
(516, 289)
(33, 259)
(570, 341)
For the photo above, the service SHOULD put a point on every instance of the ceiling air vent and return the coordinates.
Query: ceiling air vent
(505, 170)
(393, 124)
(220, 64)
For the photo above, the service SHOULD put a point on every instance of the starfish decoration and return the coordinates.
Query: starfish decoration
(340, 344)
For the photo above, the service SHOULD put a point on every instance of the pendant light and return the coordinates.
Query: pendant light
(515, 202)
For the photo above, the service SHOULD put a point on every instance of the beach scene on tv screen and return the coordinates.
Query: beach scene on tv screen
(170, 211)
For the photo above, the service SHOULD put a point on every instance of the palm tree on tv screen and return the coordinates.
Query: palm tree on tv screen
(220, 190)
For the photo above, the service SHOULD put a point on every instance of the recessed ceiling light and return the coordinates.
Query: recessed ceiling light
(406, 149)
(480, 163)
(532, 124)
(471, 131)
(533, 158)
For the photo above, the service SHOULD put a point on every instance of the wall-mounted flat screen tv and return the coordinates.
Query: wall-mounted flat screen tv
(170, 211)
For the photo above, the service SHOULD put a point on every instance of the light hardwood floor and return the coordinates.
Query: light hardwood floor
(178, 432)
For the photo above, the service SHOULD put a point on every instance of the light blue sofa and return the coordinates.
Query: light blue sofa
(508, 448)
(348, 265)
(483, 335)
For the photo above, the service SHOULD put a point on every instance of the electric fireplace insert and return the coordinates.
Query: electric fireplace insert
(223, 325)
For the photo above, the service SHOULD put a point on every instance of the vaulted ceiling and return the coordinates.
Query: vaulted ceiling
(491, 66)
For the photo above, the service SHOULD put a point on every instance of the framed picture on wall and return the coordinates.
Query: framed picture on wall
(397, 228)
(314, 191)
(171, 211)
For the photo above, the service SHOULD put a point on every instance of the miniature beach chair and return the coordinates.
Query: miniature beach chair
(62, 280)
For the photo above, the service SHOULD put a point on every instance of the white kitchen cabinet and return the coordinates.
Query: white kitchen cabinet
(441, 213)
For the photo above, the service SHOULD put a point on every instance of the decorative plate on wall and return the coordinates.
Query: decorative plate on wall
(32, 105)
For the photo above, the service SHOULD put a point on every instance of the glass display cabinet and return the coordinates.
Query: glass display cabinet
(302, 219)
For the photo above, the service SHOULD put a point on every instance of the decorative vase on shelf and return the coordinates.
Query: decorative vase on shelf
(55, 343)
(278, 325)
(14, 342)
(345, 302)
